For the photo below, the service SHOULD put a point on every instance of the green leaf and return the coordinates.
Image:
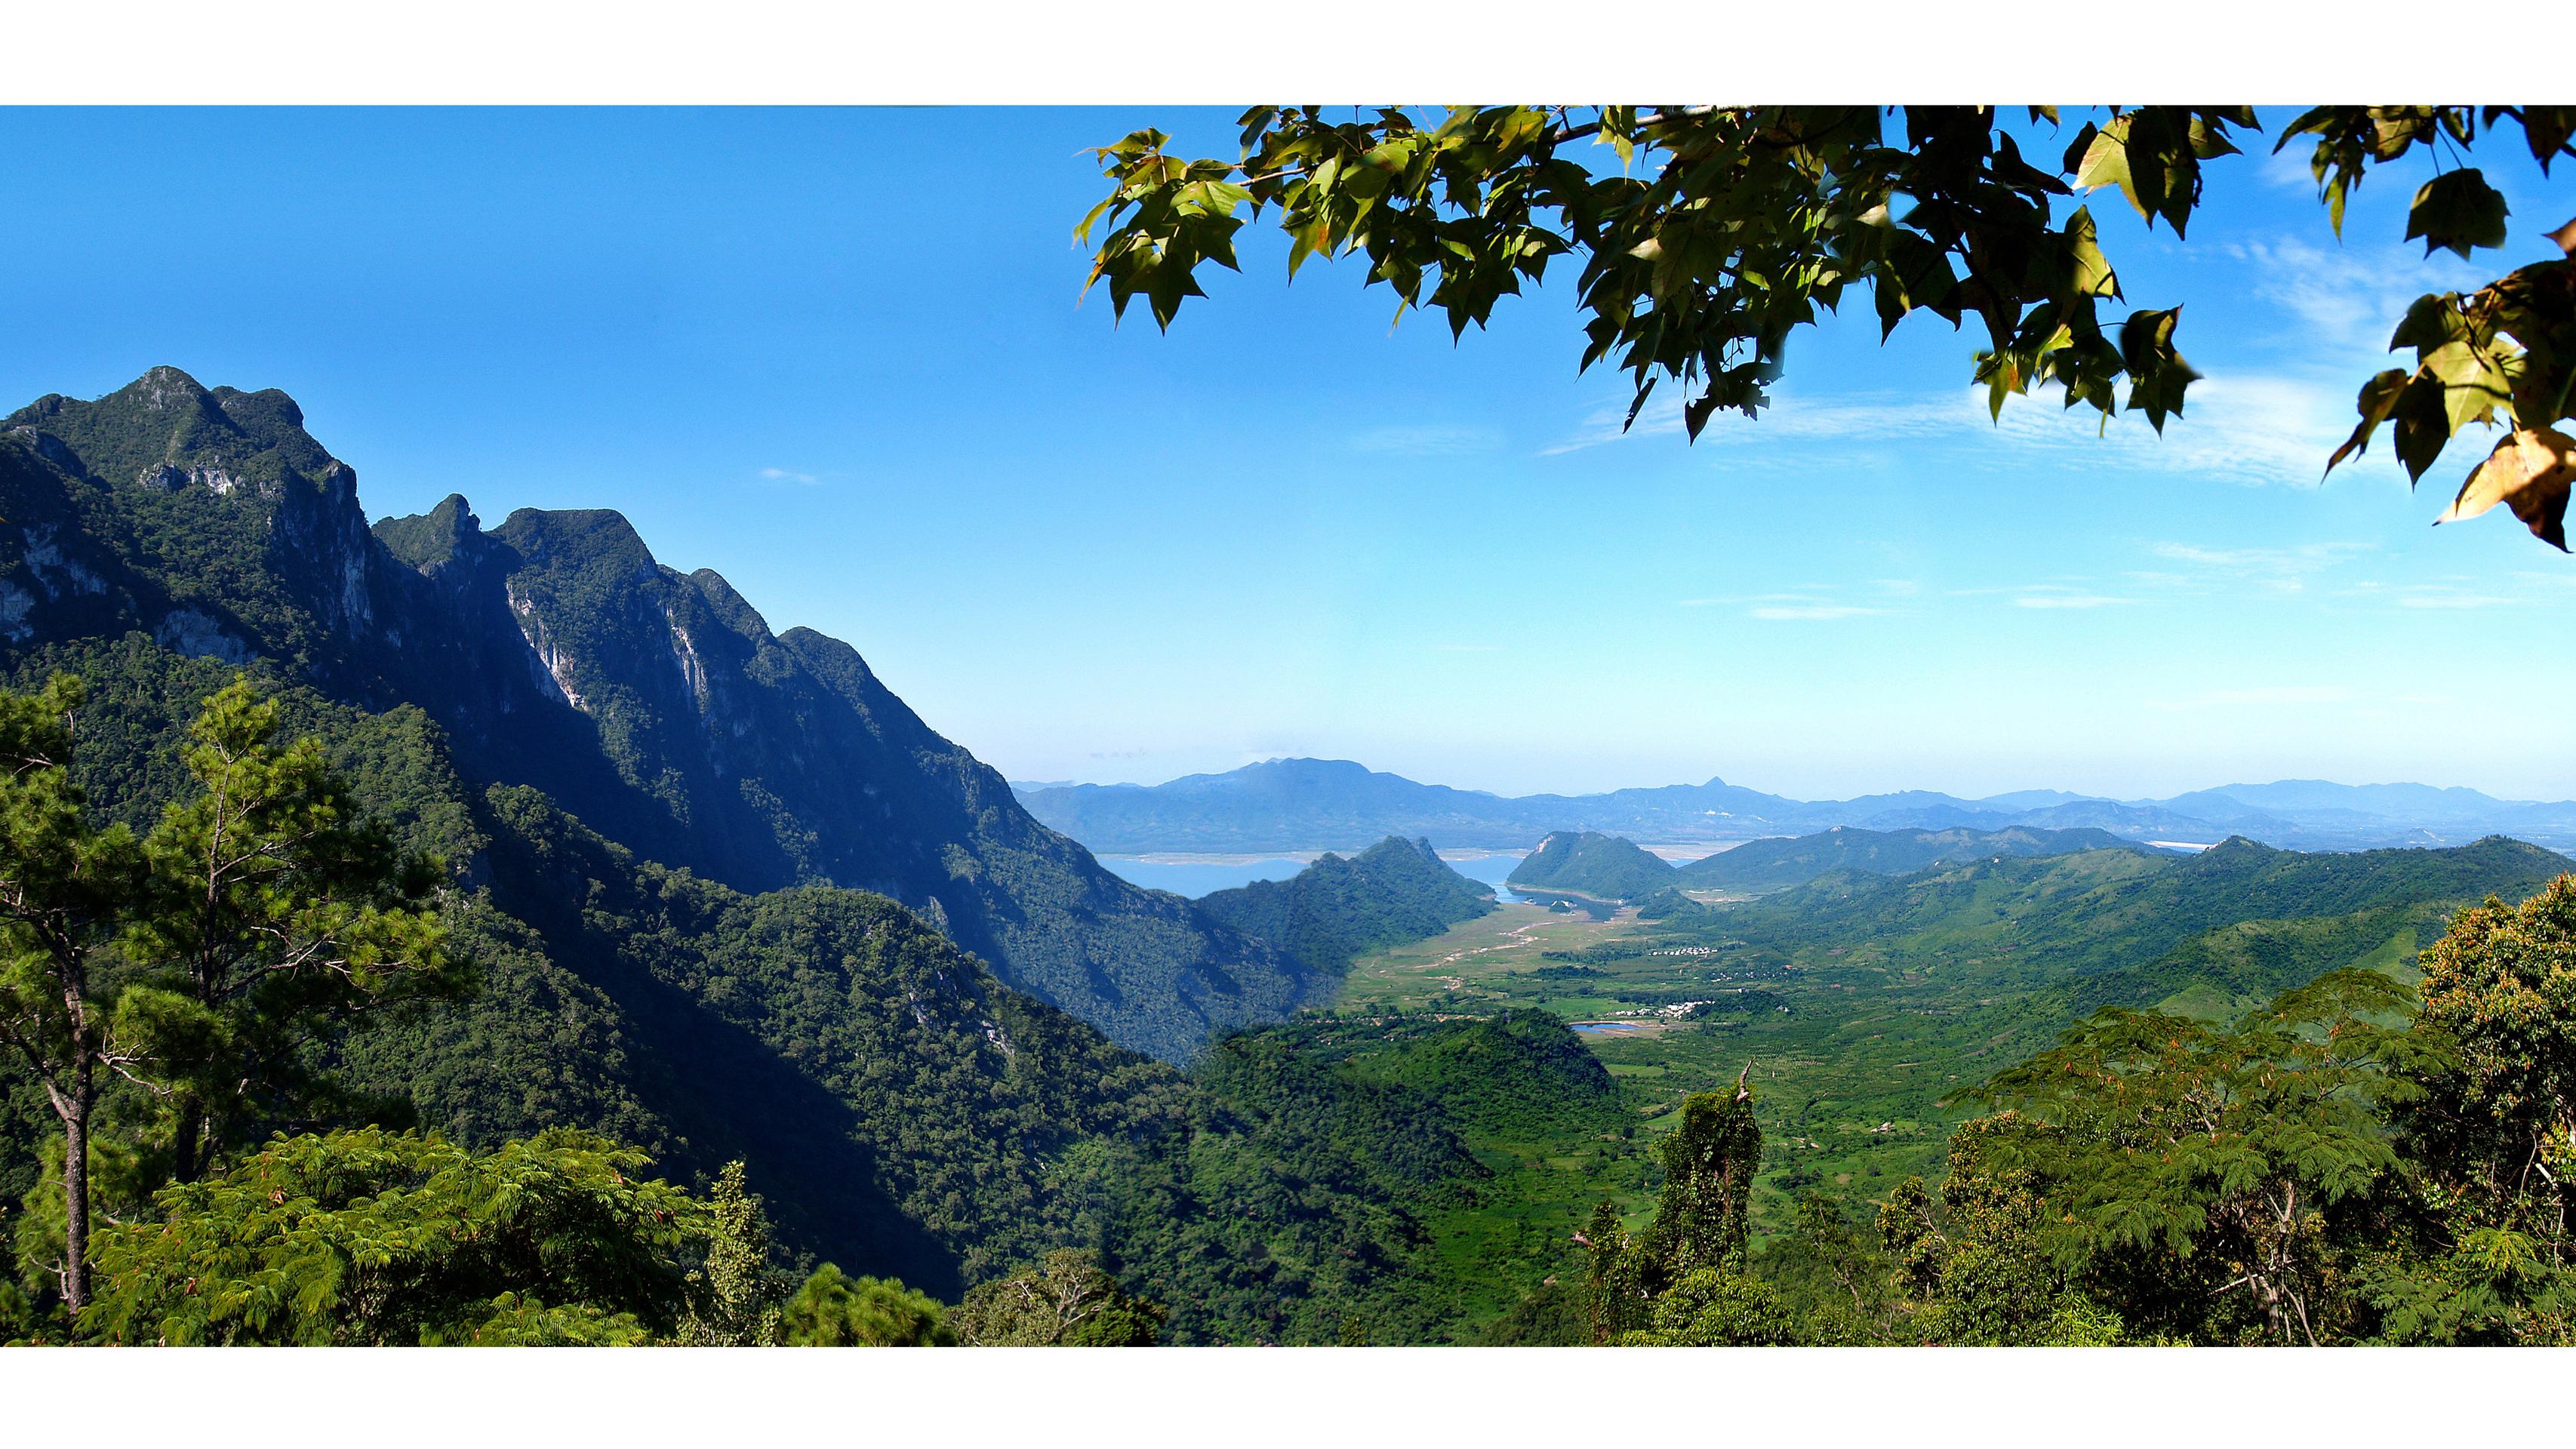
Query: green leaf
(2458, 210)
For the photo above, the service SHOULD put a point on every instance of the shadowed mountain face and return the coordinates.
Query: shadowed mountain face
(656, 706)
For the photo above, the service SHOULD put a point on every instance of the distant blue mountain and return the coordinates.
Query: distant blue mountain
(1301, 804)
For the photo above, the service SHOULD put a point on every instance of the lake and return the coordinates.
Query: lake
(1196, 875)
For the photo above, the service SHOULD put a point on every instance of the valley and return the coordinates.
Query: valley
(1866, 1010)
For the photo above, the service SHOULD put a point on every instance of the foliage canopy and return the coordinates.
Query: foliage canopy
(1709, 234)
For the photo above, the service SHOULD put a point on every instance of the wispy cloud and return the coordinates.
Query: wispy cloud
(2270, 694)
(1427, 440)
(2347, 297)
(2278, 695)
(2245, 428)
(782, 475)
(1813, 602)
(1809, 611)
(2442, 598)
(2068, 601)
(1783, 608)
(2285, 570)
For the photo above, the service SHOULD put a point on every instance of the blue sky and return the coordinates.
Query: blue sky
(836, 356)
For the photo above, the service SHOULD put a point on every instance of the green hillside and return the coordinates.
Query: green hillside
(1759, 866)
(1605, 867)
(1394, 891)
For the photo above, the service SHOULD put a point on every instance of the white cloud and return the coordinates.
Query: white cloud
(2348, 296)
(782, 475)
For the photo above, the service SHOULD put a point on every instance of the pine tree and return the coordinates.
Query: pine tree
(275, 909)
(64, 888)
(199, 968)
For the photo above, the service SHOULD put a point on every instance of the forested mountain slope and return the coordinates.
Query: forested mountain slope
(1393, 892)
(557, 653)
(1607, 867)
(2048, 919)
(901, 1110)
(1779, 863)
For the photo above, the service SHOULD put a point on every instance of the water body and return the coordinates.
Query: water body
(1490, 870)
(1584, 906)
(1197, 875)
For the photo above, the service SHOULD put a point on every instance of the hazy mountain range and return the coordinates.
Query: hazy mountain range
(1302, 804)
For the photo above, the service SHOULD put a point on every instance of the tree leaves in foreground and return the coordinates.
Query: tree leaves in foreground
(2326, 1170)
(375, 1237)
(1705, 235)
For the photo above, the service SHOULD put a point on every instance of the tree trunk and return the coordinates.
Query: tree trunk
(187, 1157)
(75, 1115)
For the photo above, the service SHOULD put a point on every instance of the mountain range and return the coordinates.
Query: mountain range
(556, 653)
(1305, 804)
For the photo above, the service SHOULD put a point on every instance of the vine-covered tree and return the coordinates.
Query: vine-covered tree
(1681, 1280)
(1707, 234)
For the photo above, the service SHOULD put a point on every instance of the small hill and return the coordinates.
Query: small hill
(1761, 866)
(1609, 867)
(1334, 910)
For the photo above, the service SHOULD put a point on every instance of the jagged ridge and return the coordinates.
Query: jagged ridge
(557, 653)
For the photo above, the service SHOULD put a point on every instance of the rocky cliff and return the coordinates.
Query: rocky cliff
(557, 653)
